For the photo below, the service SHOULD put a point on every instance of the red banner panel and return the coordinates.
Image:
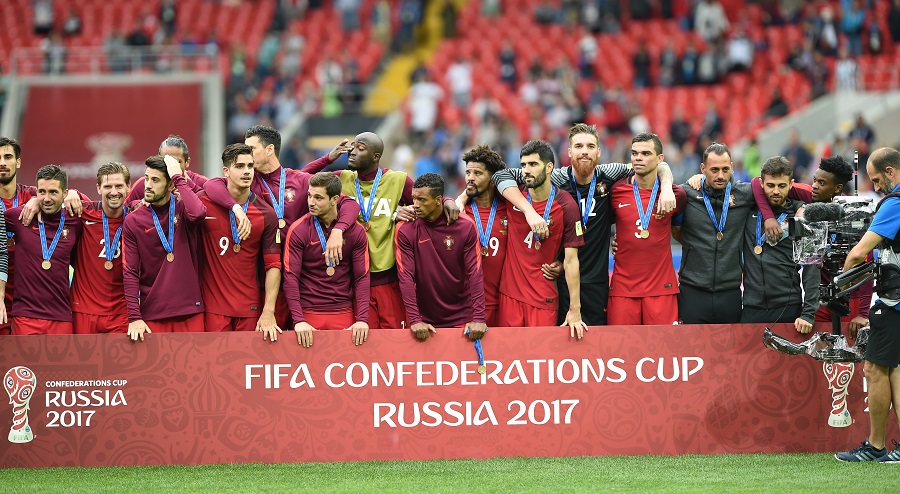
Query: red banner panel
(82, 127)
(223, 398)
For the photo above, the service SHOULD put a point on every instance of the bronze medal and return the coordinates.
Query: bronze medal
(482, 369)
(366, 225)
(170, 257)
(757, 250)
(645, 233)
(537, 245)
(719, 236)
(484, 250)
(237, 247)
(108, 265)
(329, 271)
(281, 223)
(45, 265)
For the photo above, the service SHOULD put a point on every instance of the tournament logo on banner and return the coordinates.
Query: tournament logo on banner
(19, 383)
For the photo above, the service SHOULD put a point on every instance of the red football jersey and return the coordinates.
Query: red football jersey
(522, 278)
(96, 290)
(643, 266)
(228, 279)
(492, 263)
(23, 194)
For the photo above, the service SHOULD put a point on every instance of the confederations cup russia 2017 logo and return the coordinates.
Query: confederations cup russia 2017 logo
(19, 383)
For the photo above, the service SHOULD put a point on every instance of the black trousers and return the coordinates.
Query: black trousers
(697, 306)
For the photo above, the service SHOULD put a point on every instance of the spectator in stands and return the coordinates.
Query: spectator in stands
(710, 20)
(817, 73)
(875, 43)
(846, 72)
(854, 18)
(410, 16)
(862, 138)
(490, 8)
(679, 128)
(422, 102)
(116, 51)
(349, 11)
(777, 106)
(545, 13)
(381, 23)
(688, 64)
(449, 16)
(827, 32)
(329, 72)
(712, 124)
(291, 57)
(708, 65)
(609, 24)
(740, 51)
(72, 24)
(508, 73)
(43, 17)
(587, 55)
(641, 62)
(797, 154)
(459, 80)
(137, 40)
(168, 14)
(54, 54)
(640, 9)
(894, 21)
(668, 66)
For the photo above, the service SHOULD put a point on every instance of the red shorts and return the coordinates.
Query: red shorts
(192, 323)
(321, 320)
(386, 309)
(217, 323)
(519, 314)
(633, 311)
(97, 324)
(492, 315)
(23, 326)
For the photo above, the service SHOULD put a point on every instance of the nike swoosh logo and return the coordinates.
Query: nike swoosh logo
(90, 222)
(516, 209)
(148, 230)
(623, 205)
(699, 197)
(423, 240)
(754, 216)
(314, 242)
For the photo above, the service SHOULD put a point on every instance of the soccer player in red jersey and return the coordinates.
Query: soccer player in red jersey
(98, 294)
(439, 265)
(526, 297)
(643, 288)
(285, 190)
(175, 147)
(321, 294)
(41, 302)
(12, 194)
(228, 280)
(162, 285)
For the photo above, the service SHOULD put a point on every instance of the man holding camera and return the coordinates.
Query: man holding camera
(883, 350)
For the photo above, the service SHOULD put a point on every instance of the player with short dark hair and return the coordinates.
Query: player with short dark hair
(175, 147)
(162, 284)
(98, 295)
(439, 265)
(41, 304)
(229, 274)
(321, 294)
(12, 194)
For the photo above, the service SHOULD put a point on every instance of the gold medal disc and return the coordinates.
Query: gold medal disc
(757, 250)
(645, 233)
(329, 271)
(170, 257)
(482, 369)
(281, 223)
(45, 265)
(108, 265)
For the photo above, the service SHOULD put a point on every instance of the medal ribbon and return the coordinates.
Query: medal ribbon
(760, 239)
(321, 237)
(479, 350)
(234, 230)
(365, 209)
(718, 224)
(168, 244)
(484, 236)
(46, 252)
(15, 204)
(549, 204)
(111, 247)
(589, 204)
(645, 216)
(278, 204)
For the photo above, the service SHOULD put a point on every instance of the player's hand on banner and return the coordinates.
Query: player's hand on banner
(268, 326)
(304, 333)
(802, 325)
(30, 209)
(855, 324)
(538, 226)
(552, 271)
(614, 246)
(695, 181)
(475, 330)
(406, 213)
(334, 248)
(422, 330)
(360, 332)
(72, 203)
(243, 222)
(136, 330)
(577, 327)
(451, 210)
(773, 230)
(172, 166)
(343, 147)
(666, 202)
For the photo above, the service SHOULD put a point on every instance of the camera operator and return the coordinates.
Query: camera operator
(883, 350)
(767, 264)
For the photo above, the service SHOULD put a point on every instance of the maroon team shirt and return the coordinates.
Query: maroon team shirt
(96, 290)
(156, 289)
(306, 284)
(439, 266)
(228, 279)
(195, 181)
(43, 294)
(522, 279)
(23, 193)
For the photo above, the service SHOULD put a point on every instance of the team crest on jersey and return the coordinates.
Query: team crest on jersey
(731, 200)
(504, 222)
(175, 221)
(601, 189)
(289, 194)
(65, 233)
(448, 241)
